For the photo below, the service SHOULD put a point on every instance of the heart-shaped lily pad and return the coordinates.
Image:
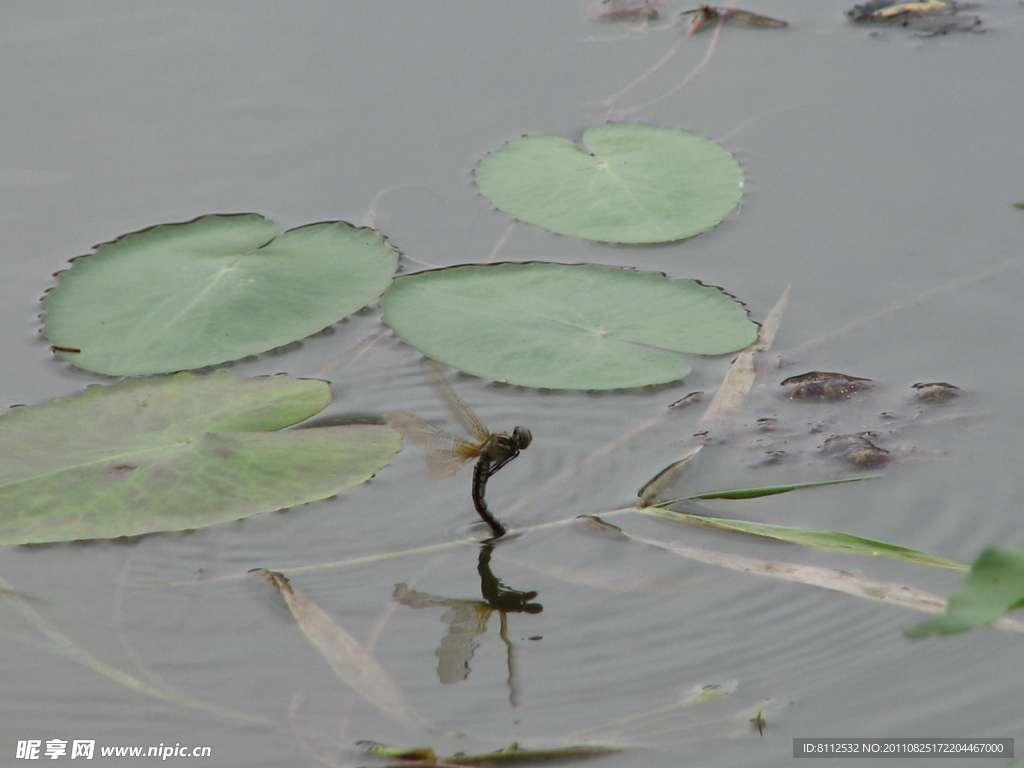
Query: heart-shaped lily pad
(182, 296)
(638, 183)
(174, 452)
(564, 326)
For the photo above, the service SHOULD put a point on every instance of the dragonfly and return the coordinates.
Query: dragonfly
(705, 13)
(448, 453)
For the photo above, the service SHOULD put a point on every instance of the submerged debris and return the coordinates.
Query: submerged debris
(865, 432)
(770, 457)
(925, 18)
(824, 385)
(857, 449)
(935, 392)
(887, 10)
(628, 10)
(513, 754)
(690, 399)
(705, 13)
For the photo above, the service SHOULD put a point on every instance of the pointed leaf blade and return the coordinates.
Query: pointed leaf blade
(351, 662)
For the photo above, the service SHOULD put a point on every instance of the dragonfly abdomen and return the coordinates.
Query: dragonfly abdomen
(481, 472)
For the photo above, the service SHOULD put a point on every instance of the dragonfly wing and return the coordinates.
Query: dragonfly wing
(447, 452)
(417, 430)
(444, 462)
(456, 404)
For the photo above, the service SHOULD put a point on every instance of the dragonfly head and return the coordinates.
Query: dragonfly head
(521, 437)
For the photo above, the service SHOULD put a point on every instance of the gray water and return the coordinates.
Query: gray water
(881, 169)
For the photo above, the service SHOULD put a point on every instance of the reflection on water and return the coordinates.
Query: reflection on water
(467, 619)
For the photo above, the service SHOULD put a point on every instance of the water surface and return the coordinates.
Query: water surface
(881, 169)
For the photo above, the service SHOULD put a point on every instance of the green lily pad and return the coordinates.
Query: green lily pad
(181, 296)
(994, 586)
(174, 452)
(638, 183)
(563, 326)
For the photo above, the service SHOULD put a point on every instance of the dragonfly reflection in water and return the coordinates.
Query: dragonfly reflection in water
(449, 453)
(705, 13)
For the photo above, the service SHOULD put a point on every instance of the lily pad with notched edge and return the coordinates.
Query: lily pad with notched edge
(638, 183)
(181, 296)
(174, 452)
(563, 326)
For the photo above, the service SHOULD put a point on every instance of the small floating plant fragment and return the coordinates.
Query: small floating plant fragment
(182, 296)
(632, 183)
(705, 13)
(564, 326)
(171, 453)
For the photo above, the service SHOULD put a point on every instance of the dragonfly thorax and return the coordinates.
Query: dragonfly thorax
(500, 448)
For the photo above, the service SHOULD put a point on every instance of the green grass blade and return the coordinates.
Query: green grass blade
(812, 537)
(768, 490)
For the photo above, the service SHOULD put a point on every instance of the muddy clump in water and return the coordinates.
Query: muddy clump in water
(822, 416)
(824, 385)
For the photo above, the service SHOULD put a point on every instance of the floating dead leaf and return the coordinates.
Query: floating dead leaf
(346, 656)
(741, 375)
(655, 489)
(512, 754)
